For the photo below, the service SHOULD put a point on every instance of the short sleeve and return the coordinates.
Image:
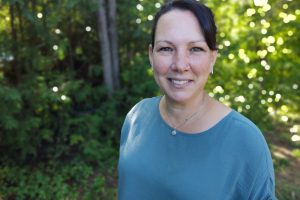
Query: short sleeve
(263, 187)
(257, 178)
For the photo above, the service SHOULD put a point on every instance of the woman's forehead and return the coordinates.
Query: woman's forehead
(179, 24)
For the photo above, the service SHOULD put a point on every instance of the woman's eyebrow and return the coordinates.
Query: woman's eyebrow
(166, 41)
(191, 42)
(198, 41)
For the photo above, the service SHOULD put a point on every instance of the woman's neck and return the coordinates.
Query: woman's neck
(177, 112)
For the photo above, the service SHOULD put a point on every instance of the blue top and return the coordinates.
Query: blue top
(230, 161)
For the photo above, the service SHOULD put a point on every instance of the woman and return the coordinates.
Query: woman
(185, 145)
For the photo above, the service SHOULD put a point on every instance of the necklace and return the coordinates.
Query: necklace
(174, 131)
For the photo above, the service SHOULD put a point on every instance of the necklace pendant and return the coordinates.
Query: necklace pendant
(173, 132)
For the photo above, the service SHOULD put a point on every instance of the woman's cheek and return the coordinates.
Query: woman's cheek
(199, 67)
(161, 66)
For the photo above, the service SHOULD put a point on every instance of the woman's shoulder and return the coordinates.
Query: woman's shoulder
(242, 122)
(243, 125)
(137, 113)
(144, 105)
(242, 131)
(247, 141)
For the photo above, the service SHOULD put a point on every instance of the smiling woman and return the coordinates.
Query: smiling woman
(184, 144)
(180, 57)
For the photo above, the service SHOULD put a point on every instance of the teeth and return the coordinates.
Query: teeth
(179, 82)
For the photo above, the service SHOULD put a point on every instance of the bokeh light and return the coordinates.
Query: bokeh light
(294, 129)
(138, 21)
(39, 15)
(150, 17)
(218, 89)
(227, 43)
(55, 47)
(57, 31)
(240, 98)
(157, 5)
(295, 138)
(55, 89)
(260, 2)
(88, 29)
(284, 118)
(139, 7)
(63, 97)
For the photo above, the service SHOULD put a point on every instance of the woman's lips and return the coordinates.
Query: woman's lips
(179, 83)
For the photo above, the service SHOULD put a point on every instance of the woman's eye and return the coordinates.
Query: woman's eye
(197, 49)
(167, 49)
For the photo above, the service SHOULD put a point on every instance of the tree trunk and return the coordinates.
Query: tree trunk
(109, 44)
(105, 47)
(21, 30)
(12, 22)
(33, 6)
(112, 8)
(13, 73)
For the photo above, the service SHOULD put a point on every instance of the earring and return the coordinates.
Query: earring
(212, 69)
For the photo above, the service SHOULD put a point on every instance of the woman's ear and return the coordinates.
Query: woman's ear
(214, 56)
(213, 60)
(150, 54)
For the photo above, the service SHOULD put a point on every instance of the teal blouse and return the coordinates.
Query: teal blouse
(230, 161)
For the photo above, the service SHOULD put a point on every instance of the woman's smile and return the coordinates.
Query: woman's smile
(179, 83)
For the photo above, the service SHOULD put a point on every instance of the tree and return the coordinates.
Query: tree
(109, 43)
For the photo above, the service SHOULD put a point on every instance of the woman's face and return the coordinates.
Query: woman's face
(180, 58)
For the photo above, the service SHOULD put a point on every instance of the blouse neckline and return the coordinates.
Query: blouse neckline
(215, 126)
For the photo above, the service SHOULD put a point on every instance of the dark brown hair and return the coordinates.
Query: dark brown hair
(203, 14)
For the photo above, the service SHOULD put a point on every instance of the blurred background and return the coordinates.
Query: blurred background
(70, 70)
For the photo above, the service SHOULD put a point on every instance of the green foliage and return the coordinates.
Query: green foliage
(59, 130)
(76, 179)
(296, 153)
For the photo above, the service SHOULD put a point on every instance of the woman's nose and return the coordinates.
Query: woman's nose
(180, 62)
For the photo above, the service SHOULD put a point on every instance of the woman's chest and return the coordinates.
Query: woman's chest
(178, 167)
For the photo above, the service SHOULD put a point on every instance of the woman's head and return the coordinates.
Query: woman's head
(180, 57)
(203, 14)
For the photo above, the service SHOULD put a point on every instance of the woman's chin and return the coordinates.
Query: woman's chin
(178, 97)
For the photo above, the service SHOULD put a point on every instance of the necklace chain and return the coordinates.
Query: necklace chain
(174, 131)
